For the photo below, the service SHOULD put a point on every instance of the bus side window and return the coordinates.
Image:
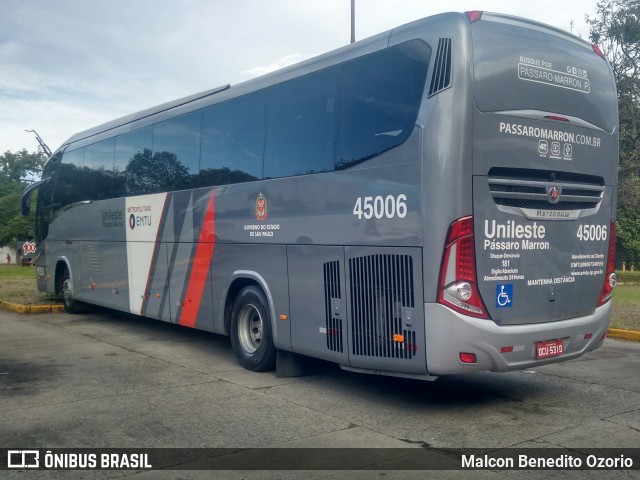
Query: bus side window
(176, 153)
(233, 141)
(380, 98)
(301, 117)
(98, 169)
(132, 165)
(68, 188)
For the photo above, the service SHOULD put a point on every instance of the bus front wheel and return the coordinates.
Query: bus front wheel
(251, 334)
(66, 292)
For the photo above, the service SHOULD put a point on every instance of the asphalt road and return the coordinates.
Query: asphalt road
(109, 380)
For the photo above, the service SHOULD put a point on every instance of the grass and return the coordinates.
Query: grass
(626, 307)
(15, 271)
(628, 277)
(18, 285)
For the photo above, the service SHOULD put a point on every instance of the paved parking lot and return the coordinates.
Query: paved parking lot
(108, 380)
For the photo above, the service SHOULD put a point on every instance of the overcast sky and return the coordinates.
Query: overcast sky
(67, 65)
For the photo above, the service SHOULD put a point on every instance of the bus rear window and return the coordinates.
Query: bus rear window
(524, 66)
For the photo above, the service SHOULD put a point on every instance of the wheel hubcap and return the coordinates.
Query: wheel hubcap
(250, 327)
(66, 291)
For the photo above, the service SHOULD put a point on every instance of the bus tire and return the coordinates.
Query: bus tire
(66, 292)
(251, 334)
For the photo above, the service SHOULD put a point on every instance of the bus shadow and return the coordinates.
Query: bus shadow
(453, 391)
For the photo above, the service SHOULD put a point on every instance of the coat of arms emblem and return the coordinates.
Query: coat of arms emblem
(261, 208)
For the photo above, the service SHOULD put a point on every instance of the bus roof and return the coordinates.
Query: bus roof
(331, 58)
(132, 117)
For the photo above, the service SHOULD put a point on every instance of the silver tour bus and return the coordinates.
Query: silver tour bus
(437, 199)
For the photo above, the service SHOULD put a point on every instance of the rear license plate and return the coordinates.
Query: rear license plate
(551, 348)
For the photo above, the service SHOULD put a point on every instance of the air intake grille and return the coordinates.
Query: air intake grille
(331, 296)
(544, 204)
(530, 189)
(381, 287)
(441, 78)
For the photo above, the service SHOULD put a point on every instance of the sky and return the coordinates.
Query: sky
(68, 65)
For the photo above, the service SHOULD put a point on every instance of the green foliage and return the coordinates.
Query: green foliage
(16, 271)
(628, 228)
(13, 225)
(628, 277)
(616, 29)
(16, 168)
(22, 165)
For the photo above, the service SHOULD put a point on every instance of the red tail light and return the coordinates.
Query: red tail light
(468, 357)
(474, 15)
(598, 51)
(557, 118)
(610, 275)
(457, 288)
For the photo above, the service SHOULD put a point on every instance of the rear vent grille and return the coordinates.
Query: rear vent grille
(539, 190)
(544, 204)
(381, 288)
(441, 78)
(331, 297)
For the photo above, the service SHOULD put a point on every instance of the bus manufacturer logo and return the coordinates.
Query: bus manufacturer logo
(553, 194)
(261, 208)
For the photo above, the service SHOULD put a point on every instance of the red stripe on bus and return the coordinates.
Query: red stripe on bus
(200, 269)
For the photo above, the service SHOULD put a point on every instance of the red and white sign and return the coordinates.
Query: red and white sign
(29, 248)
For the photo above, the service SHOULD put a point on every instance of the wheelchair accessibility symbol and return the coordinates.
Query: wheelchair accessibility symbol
(504, 296)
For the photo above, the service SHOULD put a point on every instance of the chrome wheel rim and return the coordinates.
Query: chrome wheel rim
(66, 291)
(250, 327)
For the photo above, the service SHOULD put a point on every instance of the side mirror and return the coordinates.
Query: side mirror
(25, 200)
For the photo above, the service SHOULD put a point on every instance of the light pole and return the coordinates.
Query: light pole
(353, 21)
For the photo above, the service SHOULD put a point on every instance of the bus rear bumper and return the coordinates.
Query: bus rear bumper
(504, 348)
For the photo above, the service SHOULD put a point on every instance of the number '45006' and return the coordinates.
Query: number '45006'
(381, 207)
(592, 233)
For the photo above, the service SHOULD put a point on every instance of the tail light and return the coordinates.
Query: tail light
(474, 15)
(610, 276)
(468, 357)
(458, 288)
(596, 49)
(557, 118)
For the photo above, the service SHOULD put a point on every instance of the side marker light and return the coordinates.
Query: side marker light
(468, 357)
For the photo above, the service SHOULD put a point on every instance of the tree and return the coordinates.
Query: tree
(616, 29)
(21, 166)
(16, 168)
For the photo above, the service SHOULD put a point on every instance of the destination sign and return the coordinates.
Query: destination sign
(533, 73)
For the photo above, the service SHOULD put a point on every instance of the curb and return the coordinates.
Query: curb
(23, 309)
(624, 334)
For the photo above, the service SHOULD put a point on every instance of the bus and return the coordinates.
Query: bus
(437, 199)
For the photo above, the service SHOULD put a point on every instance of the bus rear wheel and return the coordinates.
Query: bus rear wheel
(251, 334)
